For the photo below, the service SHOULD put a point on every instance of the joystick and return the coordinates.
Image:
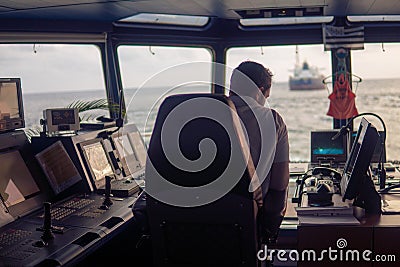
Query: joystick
(107, 190)
(46, 228)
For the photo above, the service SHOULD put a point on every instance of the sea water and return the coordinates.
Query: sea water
(303, 111)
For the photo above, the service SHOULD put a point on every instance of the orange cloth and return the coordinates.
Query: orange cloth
(343, 103)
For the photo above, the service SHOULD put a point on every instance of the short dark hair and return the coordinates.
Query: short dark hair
(259, 74)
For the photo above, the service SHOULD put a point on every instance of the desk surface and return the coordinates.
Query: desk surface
(85, 227)
(377, 233)
(384, 220)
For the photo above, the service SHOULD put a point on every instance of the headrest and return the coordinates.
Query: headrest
(198, 142)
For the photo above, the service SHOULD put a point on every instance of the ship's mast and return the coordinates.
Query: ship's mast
(297, 56)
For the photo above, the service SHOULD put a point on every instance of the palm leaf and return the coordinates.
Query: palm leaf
(33, 131)
(82, 105)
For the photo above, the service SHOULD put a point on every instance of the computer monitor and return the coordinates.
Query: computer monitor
(126, 154)
(138, 145)
(58, 167)
(61, 120)
(357, 164)
(380, 147)
(324, 149)
(19, 193)
(11, 107)
(96, 161)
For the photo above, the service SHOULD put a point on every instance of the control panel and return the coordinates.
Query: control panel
(52, 213)
(319, 184)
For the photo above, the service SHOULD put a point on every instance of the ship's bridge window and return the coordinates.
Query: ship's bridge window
(55, 76)
(285, 20)
(150, 73)
(167, 19)
(373, 18)
(378, 64)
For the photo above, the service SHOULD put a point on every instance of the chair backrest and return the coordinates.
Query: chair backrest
(198, 171)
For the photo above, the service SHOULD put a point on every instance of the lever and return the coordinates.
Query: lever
(107, 191)
(47, 228)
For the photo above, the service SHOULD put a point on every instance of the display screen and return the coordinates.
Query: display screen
(96, 160)
(58, 167)
(139, 147)
(378, 148)
(11, 109)
(324, 148)
(61, 119)
(358, 162)
(355, 150)
(63, 116)
(17, 185)
(126, 154)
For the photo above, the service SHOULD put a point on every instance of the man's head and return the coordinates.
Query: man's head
(260, 75)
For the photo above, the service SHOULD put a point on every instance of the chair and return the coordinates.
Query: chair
(185, 231)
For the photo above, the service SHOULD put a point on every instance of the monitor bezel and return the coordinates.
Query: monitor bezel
(35, 200)
(375, 156)
(55, 185)
(96, 183)
(135, 135)
(53, 127)
(20, 104)
(124, 158)
(334, 158)
(352, 180)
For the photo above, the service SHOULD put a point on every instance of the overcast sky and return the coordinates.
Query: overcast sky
(64, 68)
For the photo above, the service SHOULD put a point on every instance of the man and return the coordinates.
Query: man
(268, 140)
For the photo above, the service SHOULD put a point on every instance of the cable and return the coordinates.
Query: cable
(345, 129)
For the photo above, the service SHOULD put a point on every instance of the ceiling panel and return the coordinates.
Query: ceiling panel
(382, 6)
(313, 2)
(336, 8)
(360, 7)
(110, 10)
(223, 9)
(162, 7)
(21, 4)
(29, 4)
(396, 6)
(287, 3)
(91, 11)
